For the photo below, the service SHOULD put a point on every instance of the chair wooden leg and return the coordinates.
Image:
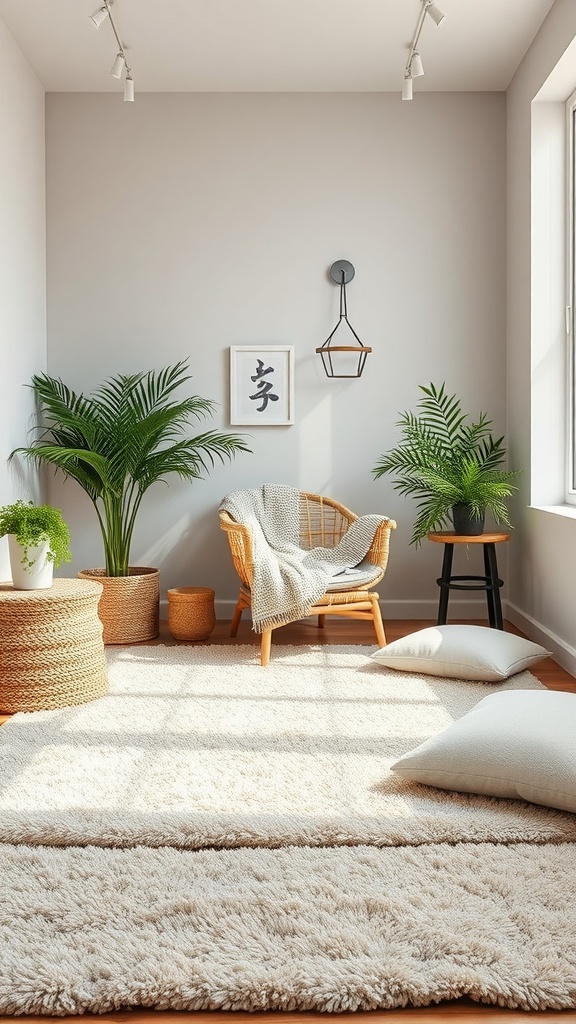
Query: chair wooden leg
(321, 621)
(378, 624)
(265, 647)
(236, 617)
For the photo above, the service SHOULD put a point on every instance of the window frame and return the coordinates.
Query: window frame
(570, 496)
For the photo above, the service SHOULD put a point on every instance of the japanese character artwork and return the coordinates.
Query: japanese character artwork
(264, 386)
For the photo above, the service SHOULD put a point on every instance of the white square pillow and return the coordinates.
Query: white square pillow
(461, 652)
(515, 743)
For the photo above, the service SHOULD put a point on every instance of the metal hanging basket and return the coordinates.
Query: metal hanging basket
(332, 354)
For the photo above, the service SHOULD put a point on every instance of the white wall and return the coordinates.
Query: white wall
(22, 263)
(543, 555)
(186, 223)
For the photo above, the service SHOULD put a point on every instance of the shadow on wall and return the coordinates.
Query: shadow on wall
(186, 551)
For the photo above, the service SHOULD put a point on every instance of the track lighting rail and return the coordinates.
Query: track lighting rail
(414, 66)
(120, 62)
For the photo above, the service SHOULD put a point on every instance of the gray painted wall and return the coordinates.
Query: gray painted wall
(22, 263)
(186, 223)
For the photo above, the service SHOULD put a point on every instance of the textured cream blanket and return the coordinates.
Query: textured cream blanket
(287, 579)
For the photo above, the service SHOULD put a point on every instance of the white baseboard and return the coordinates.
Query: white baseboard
(562, 652)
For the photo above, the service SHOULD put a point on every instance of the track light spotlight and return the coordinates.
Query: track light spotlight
(416, 65)
(99, 16)
(435, 13)
(118, 66)
(414, 68)
(120, 63)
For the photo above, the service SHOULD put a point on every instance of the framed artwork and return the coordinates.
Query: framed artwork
(262, 385)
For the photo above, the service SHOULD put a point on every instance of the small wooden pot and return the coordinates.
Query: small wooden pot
(191, 614)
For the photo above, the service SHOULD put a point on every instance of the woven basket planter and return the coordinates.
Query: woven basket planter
(130, 605)
(51, 650)
(191, 613)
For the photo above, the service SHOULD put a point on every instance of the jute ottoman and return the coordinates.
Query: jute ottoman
(51, 647)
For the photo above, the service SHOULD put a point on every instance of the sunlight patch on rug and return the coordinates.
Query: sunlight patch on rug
(201, 746)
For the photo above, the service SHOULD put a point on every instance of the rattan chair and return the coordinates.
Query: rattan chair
(323, 523)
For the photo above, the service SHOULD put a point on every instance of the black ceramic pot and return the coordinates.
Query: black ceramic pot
(465, 523)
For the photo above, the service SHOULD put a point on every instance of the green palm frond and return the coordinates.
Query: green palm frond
(442, 460)
(442, 414)
(432, 514)
(127, 435)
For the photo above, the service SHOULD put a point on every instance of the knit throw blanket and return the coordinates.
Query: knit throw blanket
(287, 579)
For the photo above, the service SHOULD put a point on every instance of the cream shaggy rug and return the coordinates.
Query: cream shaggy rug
(337, 892)
(201, 747)
(89, 929)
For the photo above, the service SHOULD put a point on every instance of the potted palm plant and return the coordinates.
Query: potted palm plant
(450, 465)
(38, 542)
(116, 442)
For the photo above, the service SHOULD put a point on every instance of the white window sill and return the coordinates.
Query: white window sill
(568, 511)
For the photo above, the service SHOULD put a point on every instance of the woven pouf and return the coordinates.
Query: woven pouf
(51, 648)
(191, 613)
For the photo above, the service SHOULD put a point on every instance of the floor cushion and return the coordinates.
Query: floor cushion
(514, 743)
(462, 652)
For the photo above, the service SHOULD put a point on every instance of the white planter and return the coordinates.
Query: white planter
(35, 577)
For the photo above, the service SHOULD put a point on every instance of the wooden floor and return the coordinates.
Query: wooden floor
(338, 631)
(457, 1012)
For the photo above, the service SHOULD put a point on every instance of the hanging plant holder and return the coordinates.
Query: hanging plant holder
(337, 356)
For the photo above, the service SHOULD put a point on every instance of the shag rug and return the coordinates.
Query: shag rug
(89, 929)
(202, 747)
(218, 836)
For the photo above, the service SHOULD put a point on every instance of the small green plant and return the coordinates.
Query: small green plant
(33, 524)
(444, 461)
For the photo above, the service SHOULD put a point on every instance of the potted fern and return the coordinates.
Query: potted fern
(38, 542)
(450, 465)
(116, 442)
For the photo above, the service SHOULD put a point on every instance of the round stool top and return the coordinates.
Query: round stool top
(447, 537)
(61, 590)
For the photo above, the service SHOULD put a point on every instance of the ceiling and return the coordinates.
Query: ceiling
(274, 45)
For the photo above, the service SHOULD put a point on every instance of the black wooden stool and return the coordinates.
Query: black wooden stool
(489, 582)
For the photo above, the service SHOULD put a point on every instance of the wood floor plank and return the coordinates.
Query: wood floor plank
(460, 1011)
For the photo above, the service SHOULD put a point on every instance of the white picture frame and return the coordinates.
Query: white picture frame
(262, 385)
